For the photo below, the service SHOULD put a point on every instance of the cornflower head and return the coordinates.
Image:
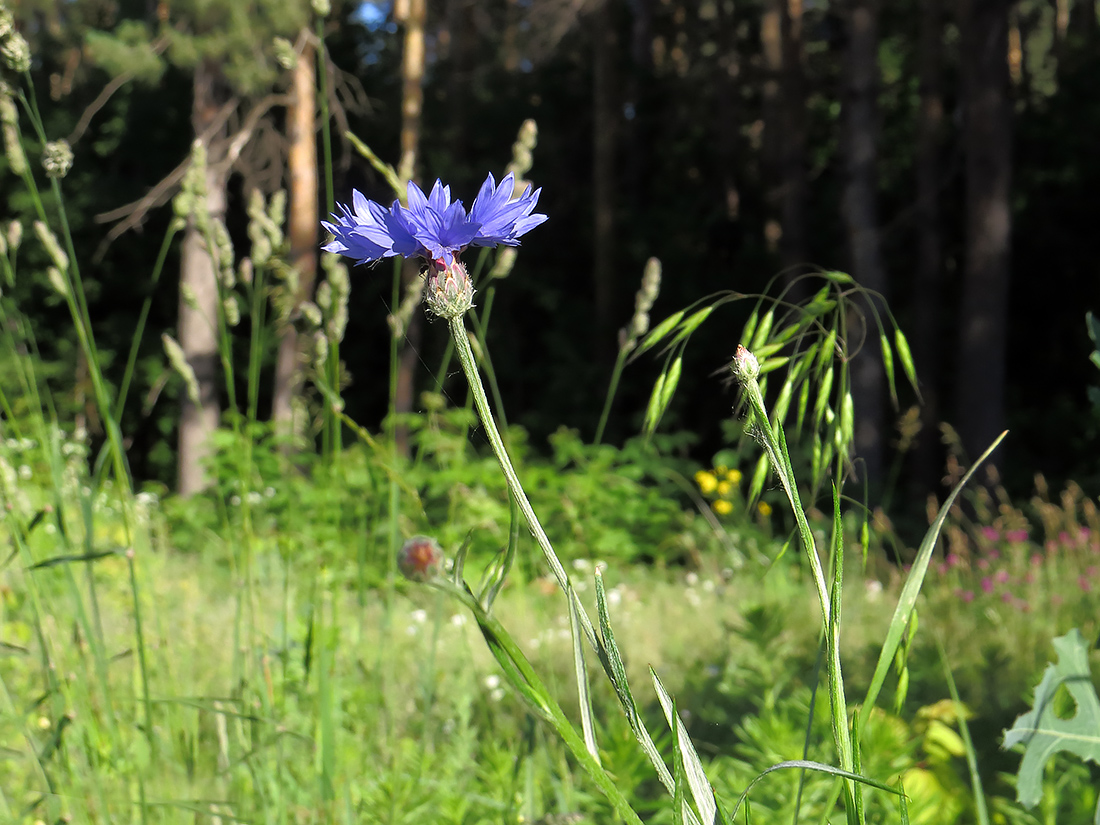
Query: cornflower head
(437, 229)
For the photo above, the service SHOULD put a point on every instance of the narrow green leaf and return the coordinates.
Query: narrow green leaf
(670, 384)
(612, 662)
(691, 324)
(658, 332)
(783, 402)
(759, 476)
(750, 327)
(766, 350)
(581, 671)
(803, 403)
(693, 768)
(842, 278)
(761, 336)
(846, 429)
(69, 559)
(901, 343)
(772, 364)
(907, 600)
(824, 390)
(653, 409)
(825, 356)
(509, 553)
(888, 366)
(457, 569)
(980, 808)
(818, 767)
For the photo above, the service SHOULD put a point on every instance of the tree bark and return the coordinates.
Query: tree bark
(861, 219)
(771, 152)
(415, 14)
(927, 284)
(198, 323)
(412, 84)
(603, 175)
(303, 223)
(727, 110)
(1083, 24)
(983, 321)
(792, 247)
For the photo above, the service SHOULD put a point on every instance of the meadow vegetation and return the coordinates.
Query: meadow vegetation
(252, 654)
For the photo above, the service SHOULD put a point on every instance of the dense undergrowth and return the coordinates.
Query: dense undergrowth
(327, 690)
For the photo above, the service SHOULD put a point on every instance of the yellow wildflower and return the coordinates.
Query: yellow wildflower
(706, 481)
(722, 507)
(764, 508)
(733, 476)
(723, 488)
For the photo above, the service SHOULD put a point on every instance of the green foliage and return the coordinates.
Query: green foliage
(127, 50)
(1050, 726)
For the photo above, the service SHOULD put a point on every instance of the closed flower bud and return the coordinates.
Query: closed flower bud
(745, 366)
(449, 291)
(420, 559)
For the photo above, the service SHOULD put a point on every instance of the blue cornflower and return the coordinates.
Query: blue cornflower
(432, 226)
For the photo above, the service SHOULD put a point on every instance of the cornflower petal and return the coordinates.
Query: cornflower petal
(503, 220)
(440, 198)
(432, 226)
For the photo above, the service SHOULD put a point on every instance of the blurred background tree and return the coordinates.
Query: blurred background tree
(914, 144)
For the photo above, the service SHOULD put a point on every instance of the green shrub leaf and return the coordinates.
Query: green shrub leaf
(1043, 733)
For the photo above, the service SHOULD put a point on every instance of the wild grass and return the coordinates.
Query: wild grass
(251, 655)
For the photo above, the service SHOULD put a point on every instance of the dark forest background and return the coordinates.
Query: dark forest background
(735, 140)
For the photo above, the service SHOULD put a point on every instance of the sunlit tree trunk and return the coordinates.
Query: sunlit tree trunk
(414, 15)
(861, 220)
(198, 306)
(303, 227)
(927, 284)
(980, 373)
(605, 121)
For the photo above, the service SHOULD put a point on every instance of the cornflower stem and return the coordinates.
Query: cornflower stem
(775, 445)
(481, 401)
(523, 676)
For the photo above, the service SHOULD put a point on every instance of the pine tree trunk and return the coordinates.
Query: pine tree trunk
(603, 176)
(1083, 24)
(861, 219)
(198, 323)
(927, 284)
(980, 376)
(792, 247)
(303, 229)
(412, 106)
(727, 118)
(771, 153)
